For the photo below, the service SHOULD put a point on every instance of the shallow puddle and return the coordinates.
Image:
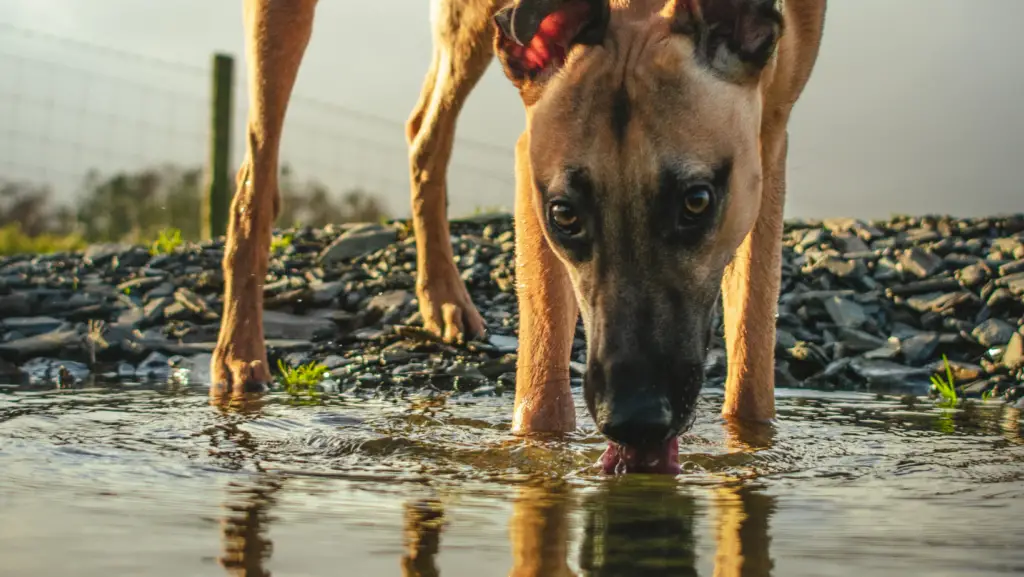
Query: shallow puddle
(143, 481)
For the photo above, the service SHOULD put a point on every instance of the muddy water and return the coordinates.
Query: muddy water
(142, 481)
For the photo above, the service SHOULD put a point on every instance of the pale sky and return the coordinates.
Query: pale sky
(914, 105)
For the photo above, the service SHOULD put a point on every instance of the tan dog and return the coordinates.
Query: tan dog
(650, 179)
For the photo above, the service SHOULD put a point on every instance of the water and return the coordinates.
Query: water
(142, 481)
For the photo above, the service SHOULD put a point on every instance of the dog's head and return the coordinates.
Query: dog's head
(644, 147)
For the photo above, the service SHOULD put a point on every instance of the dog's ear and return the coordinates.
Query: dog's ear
(533, 37)
(734, 38)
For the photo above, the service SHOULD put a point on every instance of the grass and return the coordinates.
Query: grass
(14, 241)
(280, 243)
(946, 387)
(166, 242)
(302, 380)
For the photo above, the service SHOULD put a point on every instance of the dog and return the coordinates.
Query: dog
(650, 183)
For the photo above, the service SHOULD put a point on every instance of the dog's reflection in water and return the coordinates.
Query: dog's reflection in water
(636, 526)
(245, 545)
(631, 527)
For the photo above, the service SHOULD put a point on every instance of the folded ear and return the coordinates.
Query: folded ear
(533, 37)
(734, 38)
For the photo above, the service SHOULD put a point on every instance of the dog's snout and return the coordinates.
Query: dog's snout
(637, 422)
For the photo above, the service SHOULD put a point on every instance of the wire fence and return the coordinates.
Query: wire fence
(68, 108)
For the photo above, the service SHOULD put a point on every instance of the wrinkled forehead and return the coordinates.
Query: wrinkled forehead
(640, 100)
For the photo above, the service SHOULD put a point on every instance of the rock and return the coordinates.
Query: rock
(1013, 282)
(30, 326)
(993, 333)
(324, 293)
(359, 241)
(154, 368)
(15, 305)
(103, 253)
(389, 301)
(920, 263)
(844, 268)
(42, 370)
(859, 341)
(153, 312)
(919, 348)
(54, 342)
(846, 313)
(504, 344)
(1013, 356)
(886, 372)
(279, 325)
(194, 303)
(1012, 268)
(849, 243)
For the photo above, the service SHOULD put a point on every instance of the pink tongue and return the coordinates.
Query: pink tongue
(659, 460)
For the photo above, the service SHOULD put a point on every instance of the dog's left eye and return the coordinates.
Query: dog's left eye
(564, 217)
(696, 204)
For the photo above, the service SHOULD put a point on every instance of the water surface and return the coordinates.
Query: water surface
(134, 480)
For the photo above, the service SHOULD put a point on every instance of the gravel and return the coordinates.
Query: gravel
(865, 305)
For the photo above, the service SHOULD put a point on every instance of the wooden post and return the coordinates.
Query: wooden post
(218, 199)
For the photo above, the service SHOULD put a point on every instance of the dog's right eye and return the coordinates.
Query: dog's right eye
(564, 218)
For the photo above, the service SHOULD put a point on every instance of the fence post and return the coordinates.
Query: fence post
(218, 201)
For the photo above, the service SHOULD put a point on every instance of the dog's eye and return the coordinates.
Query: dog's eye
(563, 216)
(696, 204)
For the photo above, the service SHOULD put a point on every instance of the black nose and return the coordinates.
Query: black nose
(638, 421)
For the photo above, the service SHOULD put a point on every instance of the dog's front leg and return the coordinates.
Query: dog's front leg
(547, 318)
(751, 293)
(276, 35)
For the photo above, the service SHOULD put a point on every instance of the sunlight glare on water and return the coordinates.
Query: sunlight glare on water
(133, 480)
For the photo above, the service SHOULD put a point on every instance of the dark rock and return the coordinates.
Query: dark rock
(359, 241)
(278, 325)
(846, 313)
(1012, 268)
(920, 263)
(15, 305)
(993, 333)
(30, 326)
(887, 373)
(1013, 282)
(54, 342)
(858, 341)
(925, 286)
(326, 292)
(100, 254)
(849, 243)
(919, 348)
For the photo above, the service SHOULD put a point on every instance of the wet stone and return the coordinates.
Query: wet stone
(993, 332)
(919, 348)
(30, 326)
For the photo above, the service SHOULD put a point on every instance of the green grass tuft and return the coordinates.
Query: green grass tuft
(946, 388)
(166, 242)
(280, 243)
(302, 380)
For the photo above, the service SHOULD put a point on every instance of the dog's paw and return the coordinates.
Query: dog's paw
(448, 311)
